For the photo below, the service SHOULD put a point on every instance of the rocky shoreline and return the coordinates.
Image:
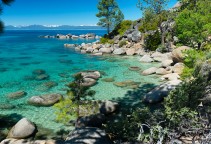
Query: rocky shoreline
(71, 36)
(171, 63)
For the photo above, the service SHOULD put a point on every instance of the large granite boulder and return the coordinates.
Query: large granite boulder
(108, 107)
(90, 74)
(178, 68)
(22, 129)
(88, 82)
(105, 50)
(136, 36)
(146, 59)
(89, 50)
(161, 91)
(45, 100)
(162, 71)
(166, 63)
(159, 57)
(91, 121)
(88, 135)
(17, 95)
(150, 71)
(119, 51)
(177, 54)
(130, 51)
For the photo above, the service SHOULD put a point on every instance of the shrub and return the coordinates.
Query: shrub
(192, 58)
(122, 43)
(123, 26)
(105, 40)
(152, 41)
(182, 103)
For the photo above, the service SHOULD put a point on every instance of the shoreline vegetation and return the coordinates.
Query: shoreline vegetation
(176, 111)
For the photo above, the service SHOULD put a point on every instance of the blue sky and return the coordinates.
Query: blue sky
(63, 12)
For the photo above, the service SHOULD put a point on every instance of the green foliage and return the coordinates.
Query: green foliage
(105, 40)
(152, 41)
(66, 109)
(192, 57)
(109, 13)
(123, 26)
(70, 107)
(184, 100)
(193, 23)
(122, 43)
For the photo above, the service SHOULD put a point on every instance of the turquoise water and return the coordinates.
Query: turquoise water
(21, 52)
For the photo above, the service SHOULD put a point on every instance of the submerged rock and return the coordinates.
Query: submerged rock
(16, 95)
(39, 72)
(127, 83)
(6, 106)
(108, 80)
(50, 84)
(22, 129)
(45, 100)
(88, 135)
(134, 68)
(42, 77)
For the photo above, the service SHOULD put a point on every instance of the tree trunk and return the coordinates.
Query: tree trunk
(162, 39)
(108, 29)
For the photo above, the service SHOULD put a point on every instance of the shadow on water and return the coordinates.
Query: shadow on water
(133, 98)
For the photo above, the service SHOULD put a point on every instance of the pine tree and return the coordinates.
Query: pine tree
(3, 2)
(109, 14)
(157, 7)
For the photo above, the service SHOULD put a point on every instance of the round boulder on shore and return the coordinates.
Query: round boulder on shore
(45, 100)
(177, 54)
(22, 129)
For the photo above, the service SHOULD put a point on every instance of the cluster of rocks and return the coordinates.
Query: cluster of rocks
(87, 129)
(90, 77)
(71, 36)
(170, 70)
(98, 49)
(38, 75)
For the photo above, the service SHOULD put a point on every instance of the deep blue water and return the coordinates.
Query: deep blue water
(21, 52)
